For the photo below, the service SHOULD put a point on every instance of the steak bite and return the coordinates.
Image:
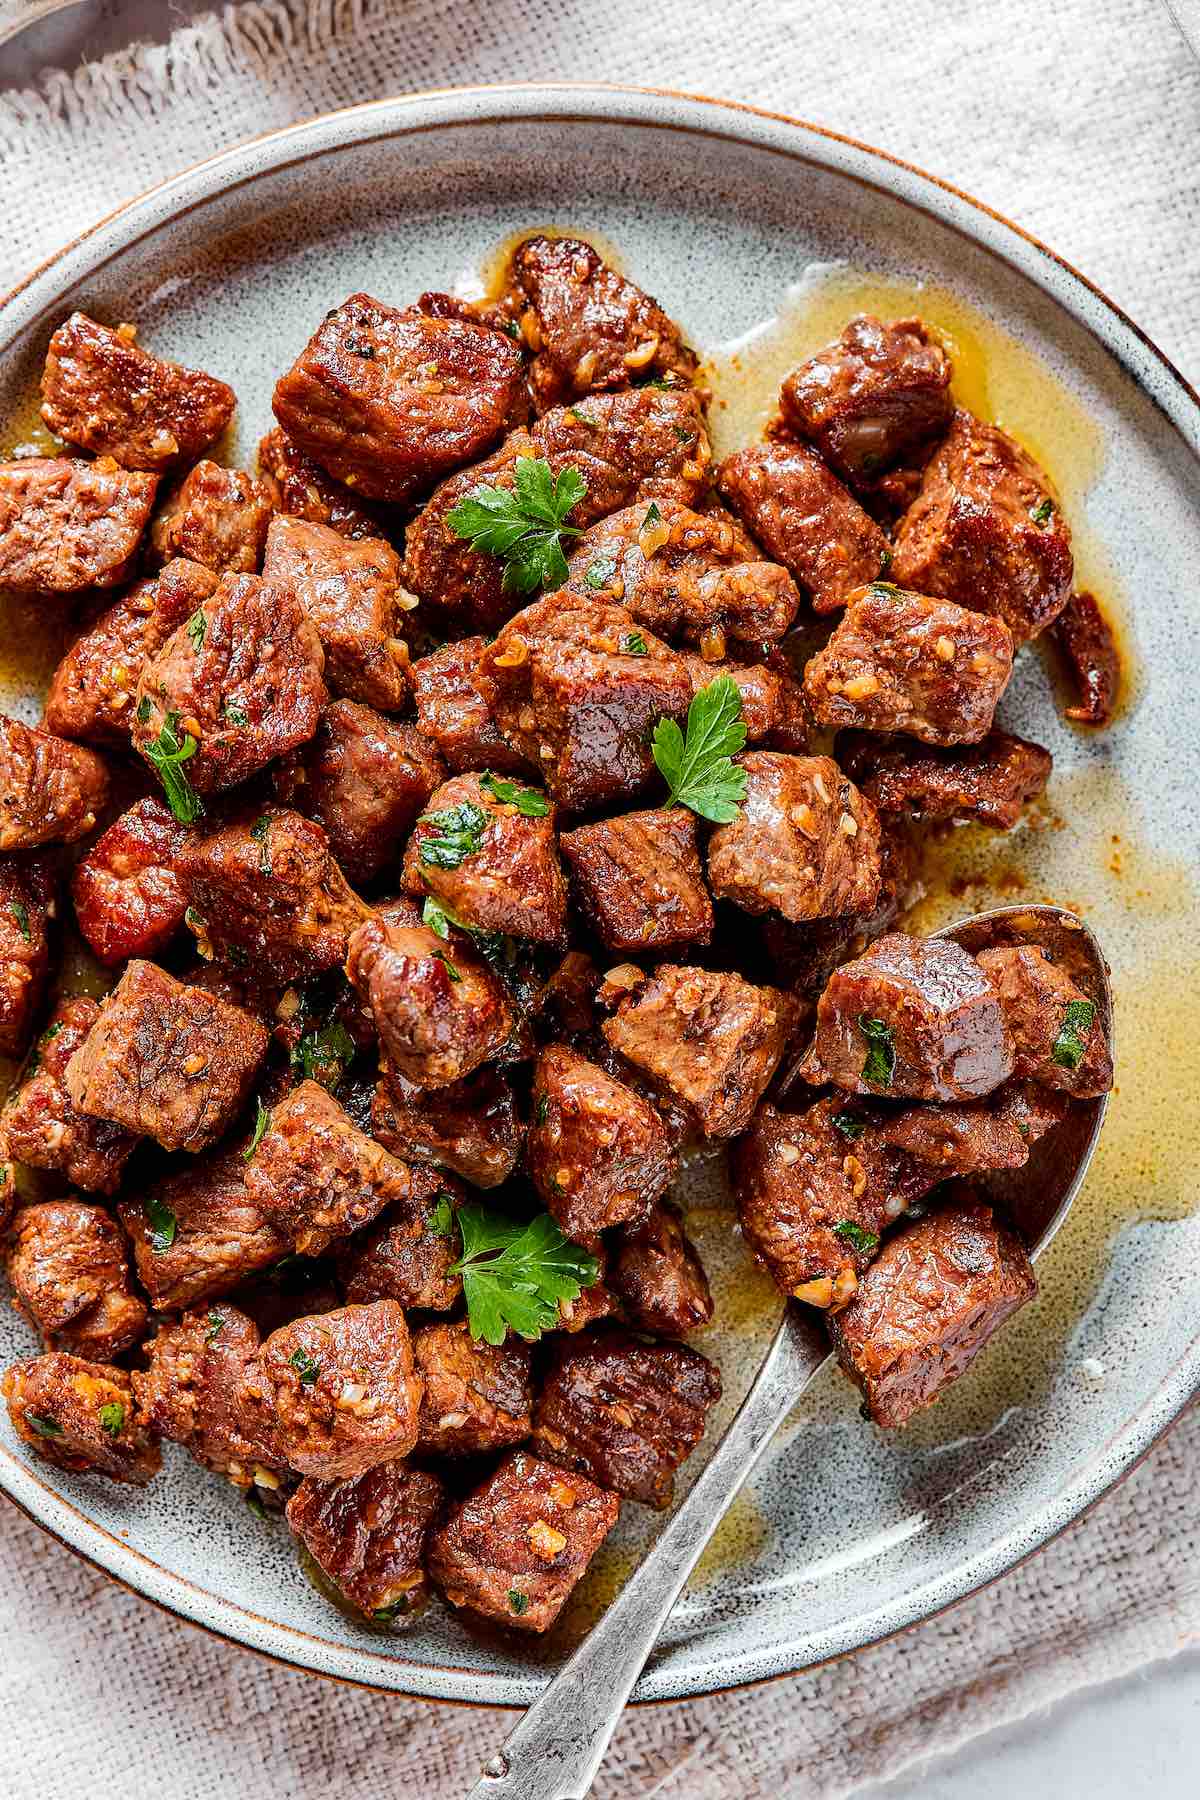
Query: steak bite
(960, 1140)
(27, 904)
(625, 1413)
(487, 849)
(307, 492)
(79, 1416)
(985, 531)
(367, 1535)
(105, 394)
(407, 1254)
(201, 1390)
(805, 842)
(598, 1154)
(805, 519)
(1056, 1029)
(471, 1127)
(1084, 639)
(638, 880)
(926, 1307)
(478, 1396)
(67, 525)
(657, 1276)
(350, 589)
(195, 1234)
(165, 1060)
(988, 783)
(453, 711)
(912, 1018)
(51, 792)
(517, 1546)
(41, 1127)
(216, 517)
(389, 402)
(69, 1269)
(126, 890)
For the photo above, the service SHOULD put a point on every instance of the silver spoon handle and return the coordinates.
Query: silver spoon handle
(556, 1749)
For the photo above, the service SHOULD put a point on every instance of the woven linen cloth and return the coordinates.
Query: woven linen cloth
(1079, 120)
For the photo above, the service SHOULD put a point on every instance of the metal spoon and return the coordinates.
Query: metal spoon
(555, 1751)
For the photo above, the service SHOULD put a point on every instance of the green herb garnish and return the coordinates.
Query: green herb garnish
(530, 804)
(517, 1601)
(524, 525)
(193, 921)
(259, 831)
(456, 834)
(452, 972)
(541, 1109)
(196, 627)
(880, 1063)
(215, 1326)
(851, 1125)
(653, 516)
(441, 1220)
(599, 574)
(306, 1367)
(20, 913)
(635, 645)
(885, 561)
(47, 1428)
(142, 710)
(162, 1223)
(166, 755)
(1043, 512)
(697, 767)
(387, 1615)
(856, 1237)
(112, 1418)
(262, 1120)
(234, 715)
(254, 1502)
(325, 1055)
(1070, 1046)
(514, 1275)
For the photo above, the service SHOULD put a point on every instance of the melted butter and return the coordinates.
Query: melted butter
(738, 1541)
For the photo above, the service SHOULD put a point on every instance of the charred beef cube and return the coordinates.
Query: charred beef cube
(40, 1126)
(958, 1140)
(656, 1274)
(805, 842)
(912, 1018)
(927, 1306)
(344, 1390)
(307, 492)
(242, 678)
(201, 1390)
(439, 1014)
(350, 589)
(899, 662)
(407, 1254)
(66, 525)
(1085, 641)
(471, 1128)
(985, 531)
(879, 395)
(367, 1535)
(51, 792)
(69, 1269)
(486, 848)
(27, 903)
(127, 894)
(711, 1040)
(1056, 1028)
(774, 709)
(453, 712)
(988, 783)
(389, 402)
(166, 1060)
(478, 1397)
(598, 1153)
(195, 1234)
(217, 517)
(517, 1546)
(805, 519)
(638, 880)
(625, 1413)
(103, 393)
(79, 1416)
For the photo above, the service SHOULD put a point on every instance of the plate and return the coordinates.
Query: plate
(762, 235)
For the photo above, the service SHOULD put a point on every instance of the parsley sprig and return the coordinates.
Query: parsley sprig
(879, 1064)
(514, 1275)
(528, 802)
(166, 755)
(523, 525)
(455, 834)
(697, 767)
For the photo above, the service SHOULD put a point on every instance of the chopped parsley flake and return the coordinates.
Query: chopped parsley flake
(112, 1418)
(162, 1223)
(856, 1237)
(262, 1120)
(1070, 1046)
(306, 1367)
(529, 804)
(454, 834)
(880, 1063)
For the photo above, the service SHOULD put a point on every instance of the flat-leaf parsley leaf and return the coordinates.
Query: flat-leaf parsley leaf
(523, 525)
(455, 833)
(528, 802)
(1070, 1046)
(879, 1064)
(166, 755)
(514, 1275)
(697, 767)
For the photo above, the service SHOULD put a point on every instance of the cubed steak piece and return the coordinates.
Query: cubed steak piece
(201, 1390)
(478, 1397)
(216, 517)
(988, 783)
(1056, 1029)
(104, 393)
(877, 396)
(805, 843)
(68, 1265)
(79, 1415)
(51, 791)
(42, 1128)
(926, 1307)
(166, 1060)
(27, 904)
(367, 1536)
(350, 589)
(961, 1140)
(307, 492)
(625, 1413)
(195, 1233)
(657, 1276)
(598, 1154)
(517, 1546)
(389, 402)
(774, 709)
(805, 519)
(638, 880)
(439, 1014)
(408, 1254)
(1084, 639)
(128, 897)
(985, 531)
(67, 525)
(453, 711)
(912, 1018)
(486, 848)
(471, 1127)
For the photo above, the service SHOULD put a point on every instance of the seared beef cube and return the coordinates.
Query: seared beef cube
(517, 1546)
(27, 903)
(579, 688)
(103, 393)
(196, 1234)
(1056, 1028)
(350, 589)
(899, 662)
(92, 690)
(625, 1413)
(988, 783)
(69, 1269)
(639, 882)
(711, 1040)
(805, 843)
(487, 849)
(1085, 640)
(927, 1306)
(40, 1126)
(126, 890)
(452, 710)
(364, 778)
(217, 517)
(51, 792)
(471, 1127)
(657, 1276)
(242, 678)
(439, 1014)
(590, 328)
(264, 892)
(985, 531)
(774, 709)
(805, 519)
(881, 393)
(307, 492)
(344, 1389)
(407, 1254)
(79, 1416)
(201, 1390)
(957, 1140)
(67, 525)
(389, 401)
(478, 1397)
(598, 1153)
(166, 1060)
(912, 1018)
(1032, 1109)
(367, 1535)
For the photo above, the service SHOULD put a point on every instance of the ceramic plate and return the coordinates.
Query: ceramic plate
(762, 236)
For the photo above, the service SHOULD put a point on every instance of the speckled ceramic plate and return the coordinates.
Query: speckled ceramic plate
(762, 235)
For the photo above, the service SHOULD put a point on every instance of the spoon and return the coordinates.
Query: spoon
(556, 1749)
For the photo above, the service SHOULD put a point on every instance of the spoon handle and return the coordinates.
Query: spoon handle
(555, 1751)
